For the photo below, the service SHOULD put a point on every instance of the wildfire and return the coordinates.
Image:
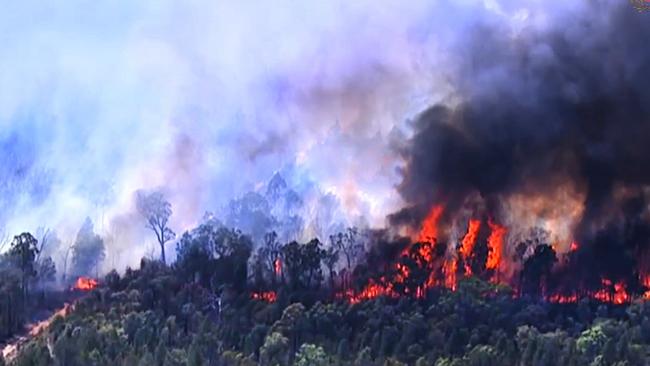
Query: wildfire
(449, 269)
(610, 292)
(467, 244)
(495, 245)
(268, 296)
(85, 284)
(424, 264)
(429, 229)
(616, 293)
(371, 291)
(421, 255)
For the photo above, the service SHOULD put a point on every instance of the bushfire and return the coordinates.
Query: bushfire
(85, 284)
(427, 263)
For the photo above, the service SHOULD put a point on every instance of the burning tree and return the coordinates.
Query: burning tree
(156, 210)
(270, 255)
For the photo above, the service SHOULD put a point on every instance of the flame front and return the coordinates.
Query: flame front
(423, 264)
(427, 262)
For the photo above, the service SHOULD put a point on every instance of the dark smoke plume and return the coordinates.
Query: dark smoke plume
(539, 110)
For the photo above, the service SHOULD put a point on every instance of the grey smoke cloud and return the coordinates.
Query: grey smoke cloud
(550, 125)
(206, 101)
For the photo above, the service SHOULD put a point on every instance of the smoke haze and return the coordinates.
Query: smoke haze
(208, 101)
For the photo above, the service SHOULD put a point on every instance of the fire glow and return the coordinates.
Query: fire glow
(85, 284)
(277, 267)
(610, 292)
(468, 242)
(426, 263)
(267, 296)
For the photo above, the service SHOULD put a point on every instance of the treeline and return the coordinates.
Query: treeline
(151, 317)
(202, 310)
(29, 281)
(220, 258)
(24, 272)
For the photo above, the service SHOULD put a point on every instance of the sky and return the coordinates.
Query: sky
(206, 100)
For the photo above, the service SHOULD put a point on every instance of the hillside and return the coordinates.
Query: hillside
(152, 316)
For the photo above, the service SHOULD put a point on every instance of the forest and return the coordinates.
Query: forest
(226, 300)
(454, 183)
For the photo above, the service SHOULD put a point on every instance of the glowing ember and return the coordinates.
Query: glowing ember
(467, 244)
(268, 296)
(574, 246)
(563, 299)
(85, 284)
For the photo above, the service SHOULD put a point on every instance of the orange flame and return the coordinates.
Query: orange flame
(467, 244)
(495, 245)
(449, 269)
(610, 292)
(85, 284)
(616, 294)
(429, 229)
(373, 290)
(422, 257)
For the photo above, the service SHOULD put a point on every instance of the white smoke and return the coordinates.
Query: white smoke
(207, 100)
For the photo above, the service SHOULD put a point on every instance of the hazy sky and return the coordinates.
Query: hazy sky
(207, 99)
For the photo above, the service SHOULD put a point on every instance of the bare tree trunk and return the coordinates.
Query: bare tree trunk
(65, 264)
(162, 252)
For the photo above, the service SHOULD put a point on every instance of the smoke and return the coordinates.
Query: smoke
(548, 127)
(206, 102)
